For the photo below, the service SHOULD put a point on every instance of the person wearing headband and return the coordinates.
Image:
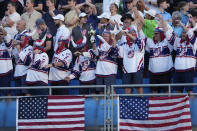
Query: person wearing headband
(37, 74)
(61, 66)
(185, 59)
(85, 66)
(106, 68)
(131, 51)
(160, 58)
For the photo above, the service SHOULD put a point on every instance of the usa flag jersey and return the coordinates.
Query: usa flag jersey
(25, 59)
(6, 66)
(37, 73)
(58, 73)
(133, 55)
(85, 66)
(185, 51)
(18, 38)
(160, 59)
(107, 62)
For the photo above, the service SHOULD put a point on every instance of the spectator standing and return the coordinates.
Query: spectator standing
(104, 24)
(71, 17)
(48, 16)
(131, 4)
(185, 60)
(132, 52)
(91, 11)
(176, 18)
(37, 75)
(106, 68)
(24, 54)
(62, 30)
(61, 66)
(10, 19)
(163, 5)
(40, 6)
(107, 3)
(20, 26)
(63, 6)
(160, 59)
(115, 18)
(30, 17)
(85, 66)
(184, 7)
(80, 28)
(150, 23)
(43, 30)
(6, 66)
(152, 4)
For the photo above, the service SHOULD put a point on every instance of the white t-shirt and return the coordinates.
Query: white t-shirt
(62, 31)
(15, 17)
(106, 4)
(116, 18)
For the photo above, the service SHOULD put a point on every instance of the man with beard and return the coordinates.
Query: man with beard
(61, 31)
(48, 16)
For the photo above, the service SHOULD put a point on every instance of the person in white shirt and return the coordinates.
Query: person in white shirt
(10, 19)
(61, 31)
(106, 5)
(115, 18)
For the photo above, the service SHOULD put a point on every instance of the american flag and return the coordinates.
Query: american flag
(154, 113)
(50, 113)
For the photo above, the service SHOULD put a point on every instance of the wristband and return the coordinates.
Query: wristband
(149, 2)
(53, 64)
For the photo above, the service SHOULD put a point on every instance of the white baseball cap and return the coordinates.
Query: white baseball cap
(59, 17)
(151, 12)
(82, 14)
(104, 15)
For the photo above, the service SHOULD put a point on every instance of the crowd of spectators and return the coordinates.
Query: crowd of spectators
(49, 42)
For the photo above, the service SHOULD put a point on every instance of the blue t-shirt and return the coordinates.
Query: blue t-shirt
(177, 30)
(93, 20)
(184, 18)
(166, 16)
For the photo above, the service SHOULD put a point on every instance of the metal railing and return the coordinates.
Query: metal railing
(63, 87)
(108, 95)
(147, 94)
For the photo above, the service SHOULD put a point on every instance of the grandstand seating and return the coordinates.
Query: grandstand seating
(2, 112)
(90, 111)
(11, 114)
